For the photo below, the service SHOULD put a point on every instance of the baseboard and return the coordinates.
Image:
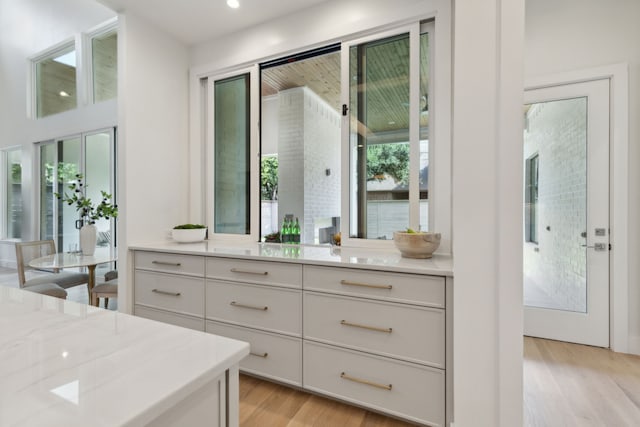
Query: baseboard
(634, 344)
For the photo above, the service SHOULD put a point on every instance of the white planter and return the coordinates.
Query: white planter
(88, 238)
(189, 235)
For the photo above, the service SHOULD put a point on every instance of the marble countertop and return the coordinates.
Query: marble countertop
(376, 259)
(69, 364)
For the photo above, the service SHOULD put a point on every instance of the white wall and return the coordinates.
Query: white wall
(572, 35)
(153, 130)
(487, 212)
(28, 27)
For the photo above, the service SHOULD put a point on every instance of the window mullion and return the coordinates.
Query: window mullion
(414, 127)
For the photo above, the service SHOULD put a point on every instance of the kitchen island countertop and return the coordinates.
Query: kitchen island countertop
(68, 364)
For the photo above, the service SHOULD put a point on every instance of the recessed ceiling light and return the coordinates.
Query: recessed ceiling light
(63, 93)
(233, 4)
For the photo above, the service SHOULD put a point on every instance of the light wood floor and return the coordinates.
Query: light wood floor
(576, 385)
(565, 385)
(264, 404)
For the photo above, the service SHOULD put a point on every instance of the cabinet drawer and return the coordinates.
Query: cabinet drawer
(170, 292)
(399, 388)
(262, 307)
(406, 288)
(171, 318)
(412, 333)
(262, 272)
(170, 263)
(272, 356)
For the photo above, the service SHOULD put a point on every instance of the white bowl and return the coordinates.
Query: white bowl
(416, 245)
(188, 235)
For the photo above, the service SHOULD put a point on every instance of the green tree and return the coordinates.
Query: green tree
(269, 178)
(388, 159)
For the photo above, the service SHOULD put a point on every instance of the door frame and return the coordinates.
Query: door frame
(618, 75)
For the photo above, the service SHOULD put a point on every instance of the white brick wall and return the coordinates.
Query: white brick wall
(557, 132)
(308, 145)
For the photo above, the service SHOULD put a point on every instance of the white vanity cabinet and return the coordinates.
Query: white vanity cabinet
(376, 334)
(260, 303)
(169, 288)
(377, 339)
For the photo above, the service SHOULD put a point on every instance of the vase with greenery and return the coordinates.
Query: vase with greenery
(89, 211)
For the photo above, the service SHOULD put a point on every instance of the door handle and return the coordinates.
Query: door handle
(600, 247)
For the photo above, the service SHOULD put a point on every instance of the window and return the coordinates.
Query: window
(300, 144)
(55, 81)
(104, 66)
(91, 154)
(389, 134)
(346, 136)
(12, 201)
(59, 85)
(234, 160)
(531, 199)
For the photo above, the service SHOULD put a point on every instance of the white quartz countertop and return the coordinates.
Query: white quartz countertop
(69, 364)
(376, 259)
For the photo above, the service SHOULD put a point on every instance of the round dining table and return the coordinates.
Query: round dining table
(71, 260)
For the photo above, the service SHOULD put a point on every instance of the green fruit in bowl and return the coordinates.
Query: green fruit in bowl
(411, 231)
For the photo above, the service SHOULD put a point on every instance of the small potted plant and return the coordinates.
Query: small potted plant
(89, 211)
(189, 233)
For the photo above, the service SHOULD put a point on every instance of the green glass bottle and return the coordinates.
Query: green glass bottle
(295, 232)
(285, 233)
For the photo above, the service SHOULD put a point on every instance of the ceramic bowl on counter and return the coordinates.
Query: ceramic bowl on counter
(417, 244)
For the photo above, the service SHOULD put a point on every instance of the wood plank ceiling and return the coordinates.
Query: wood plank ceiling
(386, 82)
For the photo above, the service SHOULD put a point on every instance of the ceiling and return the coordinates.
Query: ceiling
(196, 21)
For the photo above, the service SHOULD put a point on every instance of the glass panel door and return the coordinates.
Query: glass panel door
(91, 155)
(566, 213)
(59, 164)
(99, 177)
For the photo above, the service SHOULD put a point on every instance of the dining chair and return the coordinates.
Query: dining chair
(28, 251)
(107, 289)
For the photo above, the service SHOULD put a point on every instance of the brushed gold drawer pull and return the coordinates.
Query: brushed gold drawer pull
(173, 264)
(372, 328)
(366, 382)
(252, 307)
(263, 355)
(365, 285)
(259, 273)
(161, 292)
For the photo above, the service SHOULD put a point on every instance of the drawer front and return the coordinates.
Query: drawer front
(406, 288)
(261, 272)
(181, 294)
(272, 356)
(412, 333)
(410, 391)
(170, 263)
(171, 318)
(273, 309)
